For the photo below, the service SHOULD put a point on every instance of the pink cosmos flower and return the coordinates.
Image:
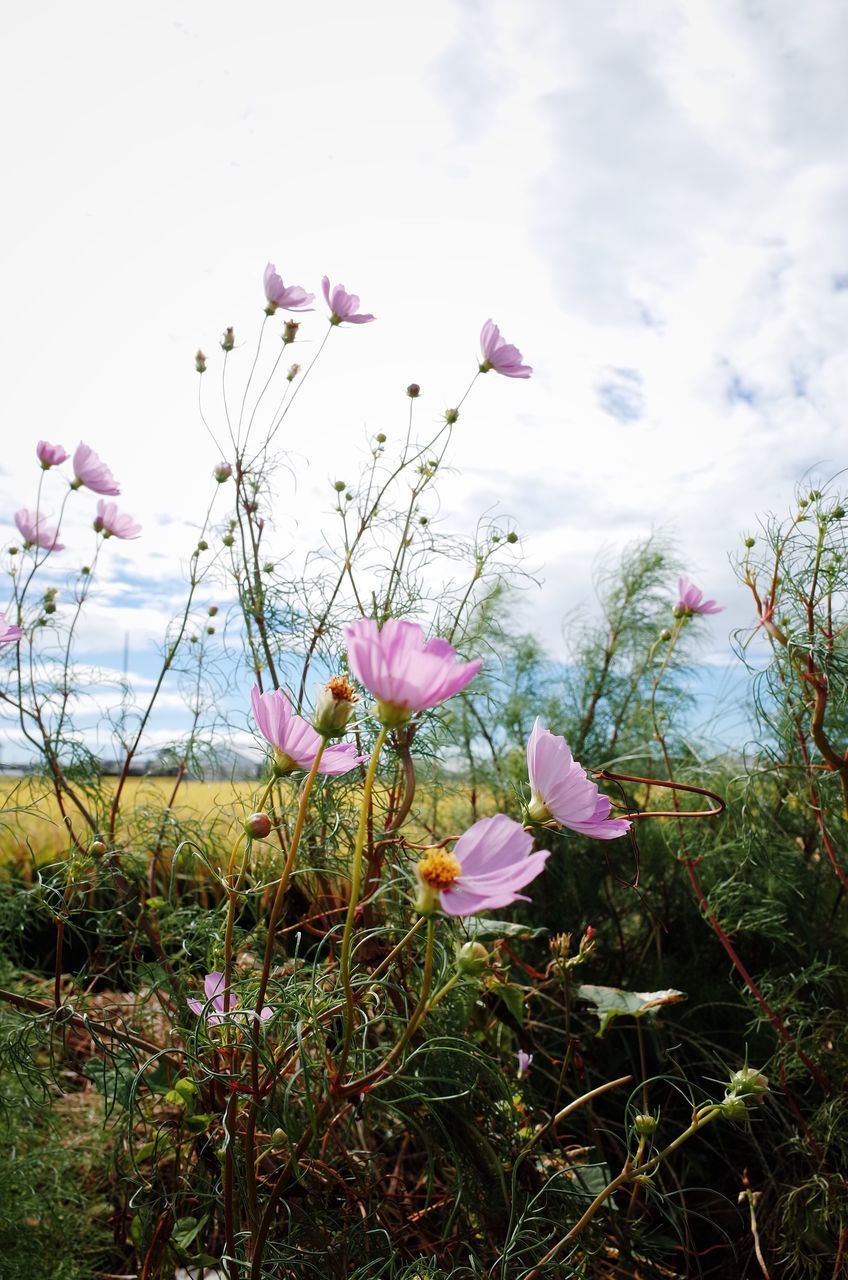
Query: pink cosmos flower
(112, 524)
(560, 790)
(294, 740)
(50, 455)
(525, 1061)
(692, 601)
(403, 671)
(343, 305)
(490, 862)
(35, 532)
(91, 472)
(214, 988)
(501, 355)
(290, 297)
(9, 631)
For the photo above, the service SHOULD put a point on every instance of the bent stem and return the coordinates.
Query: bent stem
(355, 886)
(632, 1170)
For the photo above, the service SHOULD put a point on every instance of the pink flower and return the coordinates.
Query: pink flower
(91, 472)
(490, 862)
(35, 532)
(343, 305)
(9, 632)
(214, 988)
(525, 1061)
(290, 297)
(561, 791)
(112, 524)
(500, 355)
(294, 740)
(403, 671)
(692, 601)
(50, 455)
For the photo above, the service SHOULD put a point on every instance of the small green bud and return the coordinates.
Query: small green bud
(210, 631)
(512, 537)
(734, 1108)
(381, 439)
(290, 331)
(267, 567)
(423, 520)
(748, 1083)
(838, 513)
(472, 959)
(212, 610)
(203, 545)
(85, 571)
(228, 341)
(749, 542)
(200, 362)
(279, 1138)
(665, 634)
(451, 416)
(645, 1125)
(13, 551)
(339, 486)
(228, 540)
(97, 848)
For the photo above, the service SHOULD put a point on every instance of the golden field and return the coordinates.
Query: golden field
(32, 831)
(31, 824)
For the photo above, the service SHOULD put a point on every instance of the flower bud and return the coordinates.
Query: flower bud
(85, 571)
(294, 370)
(472, 959)
(228, 540)
(222, 472)
(512, 537)
(203, 545)
(212, 610)
(257, 826)
(733, 1108)
(210, 631)
(97, 848)
(334, 707)
(339, 486)
(290, 331)
(413, 391)
(381, 437)
(200, 361)
(838, 513)
(665, 634)
(750, 542)
(748, 1083)
(451, 416)
(228, 341)
(645, 1125)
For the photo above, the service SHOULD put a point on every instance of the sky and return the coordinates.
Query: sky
(651, 200)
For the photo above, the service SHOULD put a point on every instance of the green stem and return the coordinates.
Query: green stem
(355, 886)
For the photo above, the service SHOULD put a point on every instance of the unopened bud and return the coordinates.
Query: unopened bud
(472, 959)
(203, 545)
(294, 370)
(451, 416)
(279, 1137)
(381, 437)
(50, 607)
(665, 634)
(290, 330)
(210, 631)
(339, 485)
(749, 542)
(748, 1083)
(228, 540)
(228, 341)
(85, 570)
(838, 513)
(512, 537)
(212, 610)
(200, 362)
(13, 551)
(97, 848)
(257, 826)
(645, 1125)
(334, 707)
(413, 391)
(222, 472)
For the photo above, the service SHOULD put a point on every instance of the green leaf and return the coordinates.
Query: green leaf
(513, 998)
(612, 1002)
(113, 1077)
(481, 927)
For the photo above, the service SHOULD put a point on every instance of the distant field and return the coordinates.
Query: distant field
(31, 824)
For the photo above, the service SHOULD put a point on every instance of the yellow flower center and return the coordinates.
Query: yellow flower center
(439, 869)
